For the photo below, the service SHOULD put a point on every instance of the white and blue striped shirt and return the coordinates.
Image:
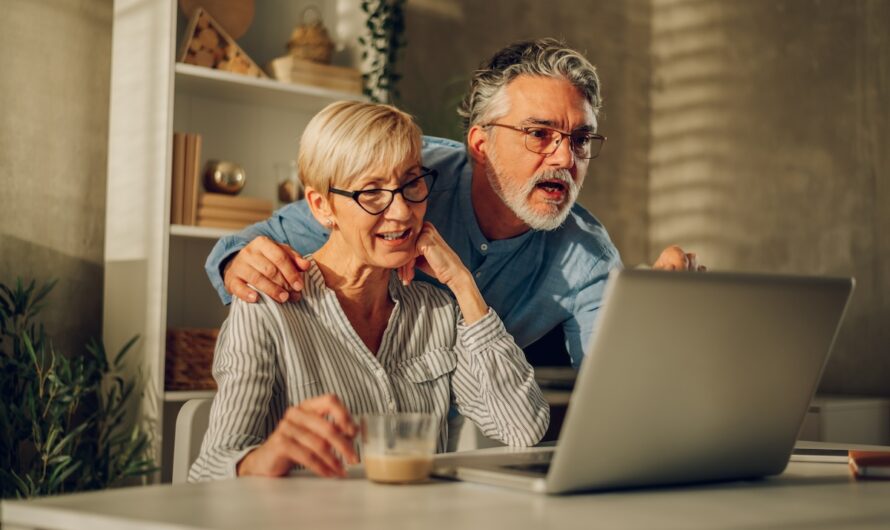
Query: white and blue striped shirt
(271, 356)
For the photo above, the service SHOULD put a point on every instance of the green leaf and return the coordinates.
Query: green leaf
(120, 356)
(30, 349)
(61, 473)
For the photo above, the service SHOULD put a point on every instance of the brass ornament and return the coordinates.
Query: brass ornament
(221, 176)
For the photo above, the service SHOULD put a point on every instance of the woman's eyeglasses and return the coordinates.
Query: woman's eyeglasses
(376, 201)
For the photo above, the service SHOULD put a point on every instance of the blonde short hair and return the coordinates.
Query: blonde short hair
(348, 138)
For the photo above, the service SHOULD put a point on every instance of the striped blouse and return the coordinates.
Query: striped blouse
(271, 356)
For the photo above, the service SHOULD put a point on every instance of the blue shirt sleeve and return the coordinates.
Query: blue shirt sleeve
(579, 327)
(292, 225)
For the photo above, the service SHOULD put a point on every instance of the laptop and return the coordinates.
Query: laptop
(689, 378)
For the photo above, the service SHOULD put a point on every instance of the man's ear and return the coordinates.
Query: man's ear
(477, 143)
(319, 205)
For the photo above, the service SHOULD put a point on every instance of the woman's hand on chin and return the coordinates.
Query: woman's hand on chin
(306, 437)
(437, 259)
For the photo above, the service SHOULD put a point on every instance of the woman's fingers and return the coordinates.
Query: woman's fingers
(301, 455)
(314, 447)
(327, 418)
(322, 430)
(441, 261)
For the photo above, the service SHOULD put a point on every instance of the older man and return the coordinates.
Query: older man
(505, 203)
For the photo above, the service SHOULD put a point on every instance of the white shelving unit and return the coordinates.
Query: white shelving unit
(154, 271)
(199, 232)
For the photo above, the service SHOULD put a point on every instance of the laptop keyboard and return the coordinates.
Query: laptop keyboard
(538, 468)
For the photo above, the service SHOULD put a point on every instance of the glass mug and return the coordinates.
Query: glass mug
(398, 448)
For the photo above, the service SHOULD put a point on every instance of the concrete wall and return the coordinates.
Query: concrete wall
(769, 132)
(54, 86)
(448, 39)
(752, 132)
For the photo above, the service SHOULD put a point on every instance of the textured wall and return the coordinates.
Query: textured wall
(753, 132)
(54, 83)
(769, 134)
(448, 39)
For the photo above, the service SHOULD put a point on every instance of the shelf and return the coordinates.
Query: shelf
(185, 395)
(215, 84)
(201, 232)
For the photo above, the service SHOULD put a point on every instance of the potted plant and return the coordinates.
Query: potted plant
(63, 424)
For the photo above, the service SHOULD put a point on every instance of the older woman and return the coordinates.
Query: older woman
(292, 377)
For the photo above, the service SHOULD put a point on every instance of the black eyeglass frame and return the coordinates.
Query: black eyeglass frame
(526, 131)
(355, 195)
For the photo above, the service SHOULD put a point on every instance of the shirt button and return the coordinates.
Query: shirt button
(478, 273)
(483, 247)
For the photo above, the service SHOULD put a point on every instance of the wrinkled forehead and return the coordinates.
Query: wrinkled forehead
(549, 102)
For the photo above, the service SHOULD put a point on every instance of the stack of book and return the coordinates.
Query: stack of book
(289, 69)
(229, 211)
(188, 206)
(186, 174)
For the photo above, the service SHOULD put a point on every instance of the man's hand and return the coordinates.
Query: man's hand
(273, 268)
(316, 434)
(674, 258)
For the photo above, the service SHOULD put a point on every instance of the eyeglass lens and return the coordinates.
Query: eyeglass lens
(417, 190)
(545, 141)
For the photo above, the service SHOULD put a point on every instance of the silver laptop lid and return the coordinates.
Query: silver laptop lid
(696, 377)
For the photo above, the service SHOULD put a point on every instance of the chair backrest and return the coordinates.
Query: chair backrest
(191, 424)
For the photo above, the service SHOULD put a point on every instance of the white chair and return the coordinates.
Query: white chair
(191, 424)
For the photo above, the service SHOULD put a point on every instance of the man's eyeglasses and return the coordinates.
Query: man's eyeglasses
(546, 140)
(376, 201)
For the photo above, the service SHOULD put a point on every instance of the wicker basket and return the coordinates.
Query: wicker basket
(310, 40)
(189, 359)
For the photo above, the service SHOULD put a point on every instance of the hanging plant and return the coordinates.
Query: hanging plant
(385, 22)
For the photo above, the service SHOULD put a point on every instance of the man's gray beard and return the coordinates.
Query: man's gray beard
(517, 199)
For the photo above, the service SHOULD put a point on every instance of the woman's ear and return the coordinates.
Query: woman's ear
(477, 143)
(319, 206)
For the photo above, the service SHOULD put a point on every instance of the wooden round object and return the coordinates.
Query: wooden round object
(234, 16)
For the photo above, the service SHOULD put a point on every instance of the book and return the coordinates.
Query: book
(221, 200)
(291, 70)
(870, 464)
(177, 184)
(191, 177)
(233, 214)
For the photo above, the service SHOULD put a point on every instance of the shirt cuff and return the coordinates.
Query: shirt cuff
(479, 334)
(232, 471)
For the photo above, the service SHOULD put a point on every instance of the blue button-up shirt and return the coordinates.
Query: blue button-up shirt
(535, 281)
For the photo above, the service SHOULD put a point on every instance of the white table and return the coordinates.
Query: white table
(807, 495)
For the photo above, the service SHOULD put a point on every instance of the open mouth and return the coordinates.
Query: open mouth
(552, 187)
(395, 236)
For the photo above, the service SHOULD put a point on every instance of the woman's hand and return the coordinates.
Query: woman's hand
(315, 434)
(438, 260)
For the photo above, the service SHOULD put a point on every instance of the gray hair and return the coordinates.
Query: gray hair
(486, 99)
